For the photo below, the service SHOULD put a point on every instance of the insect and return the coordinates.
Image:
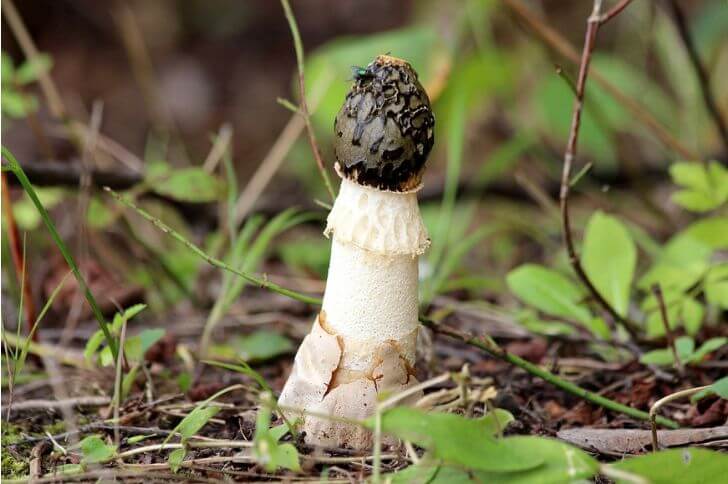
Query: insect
(361, 73)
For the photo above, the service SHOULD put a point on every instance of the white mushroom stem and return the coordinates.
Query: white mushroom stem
(363, 343)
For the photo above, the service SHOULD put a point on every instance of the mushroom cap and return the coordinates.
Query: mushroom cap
(385, 129)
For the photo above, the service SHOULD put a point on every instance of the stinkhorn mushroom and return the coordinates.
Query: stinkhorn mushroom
(363, 341)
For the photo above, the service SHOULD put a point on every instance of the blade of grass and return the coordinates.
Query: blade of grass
(26, 346)
(259, 281)
(247, 257)
(14, 167)
(298, 46)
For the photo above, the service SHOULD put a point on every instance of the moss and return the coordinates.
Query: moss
(12, 468)
(54, 428)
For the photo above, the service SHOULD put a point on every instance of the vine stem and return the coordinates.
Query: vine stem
(596, 20)
(491, 347)
(298, 46)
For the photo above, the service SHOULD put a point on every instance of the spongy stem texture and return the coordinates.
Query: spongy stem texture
(363, 342)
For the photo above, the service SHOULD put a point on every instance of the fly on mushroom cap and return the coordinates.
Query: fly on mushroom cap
(384, 130)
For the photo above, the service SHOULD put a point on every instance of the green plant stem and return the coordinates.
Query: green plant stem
(298, 46)
(260, 281)
(13, 166)
(488, 345)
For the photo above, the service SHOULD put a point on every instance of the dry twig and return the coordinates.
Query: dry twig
(702, 74)
(657, 291)
(595, 21)
(555, 41)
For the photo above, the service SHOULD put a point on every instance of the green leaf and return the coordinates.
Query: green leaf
(175, 459)
(279, 431)
(286, 456)
(692, 315)
(429, 473)
(719, 387)
(184, 381)
(706, 185)
(98, 214)
(17, 104)
(135, 439)
(128, 381)
(663, 357)
(530, 320)
(124, 316)
(189, 185)
(684, 345)
(673, 304)
(553, 101)
(496, 420)
(92, 345)
(690, 174)
(32, 69)
(717, 293)
(686, 466)
(609, 257)
(562, 464)
(136, 346)
(256, 347)
(268, 452)
(195, 420)
(8, 69)
(96, 450)
(455, 439)
(706, 348)
(548, 291)
(684, 260)
(25, 212)
(708, 231)
(716, 286)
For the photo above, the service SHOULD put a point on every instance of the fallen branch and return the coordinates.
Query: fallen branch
(59, 404)
(491, 347)
(49, 172)
(634, 441)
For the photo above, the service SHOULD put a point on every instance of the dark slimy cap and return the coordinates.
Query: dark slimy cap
(385, 129)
